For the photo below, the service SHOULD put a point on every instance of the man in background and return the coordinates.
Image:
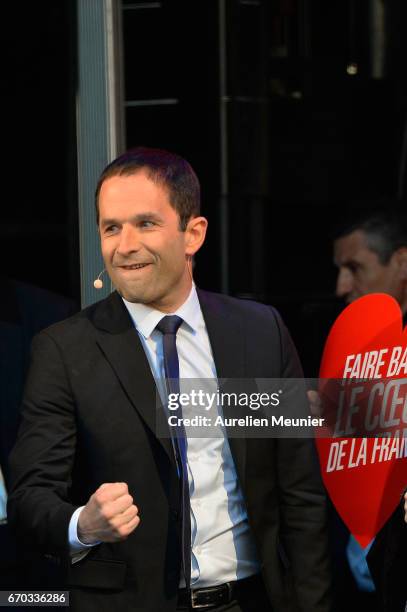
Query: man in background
(24, 311)
(371, 257)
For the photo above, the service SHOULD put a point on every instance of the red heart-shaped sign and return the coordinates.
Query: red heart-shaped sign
(365, 477)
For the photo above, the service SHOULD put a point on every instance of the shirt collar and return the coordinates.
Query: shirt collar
(146, 318)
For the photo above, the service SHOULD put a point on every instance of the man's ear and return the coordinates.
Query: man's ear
(401, 258)
(195, 235)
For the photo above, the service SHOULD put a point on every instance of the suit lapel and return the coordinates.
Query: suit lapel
(120, 343)
(226, 334)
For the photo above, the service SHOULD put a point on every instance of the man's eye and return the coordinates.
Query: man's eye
(147, 224)
(110, 229)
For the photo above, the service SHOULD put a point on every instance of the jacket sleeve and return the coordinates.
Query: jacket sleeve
(304, 532)
(42, 459)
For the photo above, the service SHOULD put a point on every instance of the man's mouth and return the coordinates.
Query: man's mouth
(133, 266)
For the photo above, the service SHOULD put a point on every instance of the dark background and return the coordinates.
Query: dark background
(305, 139)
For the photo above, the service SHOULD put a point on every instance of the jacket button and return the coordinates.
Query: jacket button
(175, 514)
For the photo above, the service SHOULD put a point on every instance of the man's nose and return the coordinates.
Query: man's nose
(344, 283)
(129, 240)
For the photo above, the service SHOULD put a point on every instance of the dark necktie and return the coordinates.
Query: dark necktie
(168, 326)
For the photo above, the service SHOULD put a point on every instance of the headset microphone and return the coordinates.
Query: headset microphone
(98, 283)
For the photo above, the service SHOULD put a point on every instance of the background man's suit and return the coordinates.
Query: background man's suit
(89, 417)
(388, 562)
(24, 311)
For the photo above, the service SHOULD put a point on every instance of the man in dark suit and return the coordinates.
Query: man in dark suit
(98, 490)
(24, 311)
(371, 256)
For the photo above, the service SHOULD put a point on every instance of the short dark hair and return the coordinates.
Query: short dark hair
(165, 168)
(385, 232)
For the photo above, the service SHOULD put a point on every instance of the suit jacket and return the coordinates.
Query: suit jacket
(24, 311)
(387, 561)
(89, 417)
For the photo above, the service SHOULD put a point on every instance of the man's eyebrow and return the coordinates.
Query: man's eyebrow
(105, 222)
(351, 261)
(147, 216)
(344, 262)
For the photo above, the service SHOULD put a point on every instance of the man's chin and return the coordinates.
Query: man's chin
(133, 297)
(137, 295)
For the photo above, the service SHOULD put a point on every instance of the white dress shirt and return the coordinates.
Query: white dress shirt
(222, 545)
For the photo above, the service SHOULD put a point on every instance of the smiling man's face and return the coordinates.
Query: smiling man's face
(143, 248)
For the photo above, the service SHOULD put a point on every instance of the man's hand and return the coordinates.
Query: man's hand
(109, 515)
(315, 403)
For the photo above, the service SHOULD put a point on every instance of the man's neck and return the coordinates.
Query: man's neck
(172, 305)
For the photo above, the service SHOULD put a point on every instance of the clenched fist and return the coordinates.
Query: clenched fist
(109, 515)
